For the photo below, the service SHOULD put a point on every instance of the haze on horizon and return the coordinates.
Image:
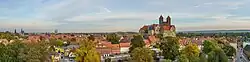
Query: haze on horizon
(122, 15)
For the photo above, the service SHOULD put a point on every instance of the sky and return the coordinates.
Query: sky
(121, 15)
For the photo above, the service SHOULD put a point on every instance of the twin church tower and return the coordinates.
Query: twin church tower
(164, 28)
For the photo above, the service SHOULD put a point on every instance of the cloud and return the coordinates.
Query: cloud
(220, 22)
(27, 23)
(112, 15)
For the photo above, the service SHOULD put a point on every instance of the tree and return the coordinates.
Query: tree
(91, 37)
(7, 36)
(168, 60)
(137, 41)
(229, 50)
(170, 47)
(208, 46)
(108, 60)
(87, 52)
(183, 58)
(21, 52)
(142, 55)
(217, 55)
(55, 42)
(113, 38)
(203, 57)
(35, 52)
(192, 52)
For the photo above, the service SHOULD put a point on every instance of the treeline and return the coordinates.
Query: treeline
(212, 51)
(213, 34)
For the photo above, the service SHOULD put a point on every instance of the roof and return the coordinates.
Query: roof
(152, 38)
(172, 26)
(145, 27)
(147, 42)
(125, 44)
(166, 27)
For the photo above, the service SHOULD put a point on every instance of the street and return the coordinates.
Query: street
(240, 56)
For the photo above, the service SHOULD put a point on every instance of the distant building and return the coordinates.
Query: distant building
(164, 28)
(15, 31)
(22, 32)
(56, 31)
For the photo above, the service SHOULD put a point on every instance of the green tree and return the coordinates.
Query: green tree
(7, 36)
(183, 58)
(113, 38)
(229, 50)
(137, 41)
(203, 57)
(168, 60)
(192, 52)
(87, 52)
(55, 42)
(142, 55)
(217, 55)
(208, 46)
(38, 52)
(170, 47)
(108, 60)
(21, 52)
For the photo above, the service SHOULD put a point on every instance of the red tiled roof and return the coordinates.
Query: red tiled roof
(166, 27)
(147, 42)
(115, 45)
(154, 25)
(172, 26)
(144, 28)
(125, 44)
(151, 38)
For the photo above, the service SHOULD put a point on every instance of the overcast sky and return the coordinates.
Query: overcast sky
(121, 15)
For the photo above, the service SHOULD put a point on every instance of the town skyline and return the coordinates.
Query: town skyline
(113, 16)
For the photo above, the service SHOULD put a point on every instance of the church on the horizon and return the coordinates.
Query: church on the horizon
(164, 28)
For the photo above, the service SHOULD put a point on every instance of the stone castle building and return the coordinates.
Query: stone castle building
(164, 28)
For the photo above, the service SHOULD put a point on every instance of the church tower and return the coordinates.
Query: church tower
(161, 19)
(168, 20)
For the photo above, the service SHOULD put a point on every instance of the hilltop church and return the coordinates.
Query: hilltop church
(164, 28)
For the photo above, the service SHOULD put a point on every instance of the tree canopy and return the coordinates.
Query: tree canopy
(113, 38)
(192, 52)
(137, 41)
(170, 47)
(87, 52)
(217, 55)
(21, 52)
(142, 55)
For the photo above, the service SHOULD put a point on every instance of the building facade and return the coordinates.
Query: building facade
(165, 28)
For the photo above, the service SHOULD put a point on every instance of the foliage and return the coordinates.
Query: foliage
(217, 55)
(108, 60)
(229, 50)
(142, 55)
(21, 52)
(7, 36)
(203, 57)
(192, 52)
(113, 38)
(183, 58)
(208, 46)
(87, 52)
(137, 41)
(58, 43)
(157, 45)
(91, 37)
(168, 60)
(170, 47)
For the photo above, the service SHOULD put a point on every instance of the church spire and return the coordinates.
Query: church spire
(168, 20)
(161, 19)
